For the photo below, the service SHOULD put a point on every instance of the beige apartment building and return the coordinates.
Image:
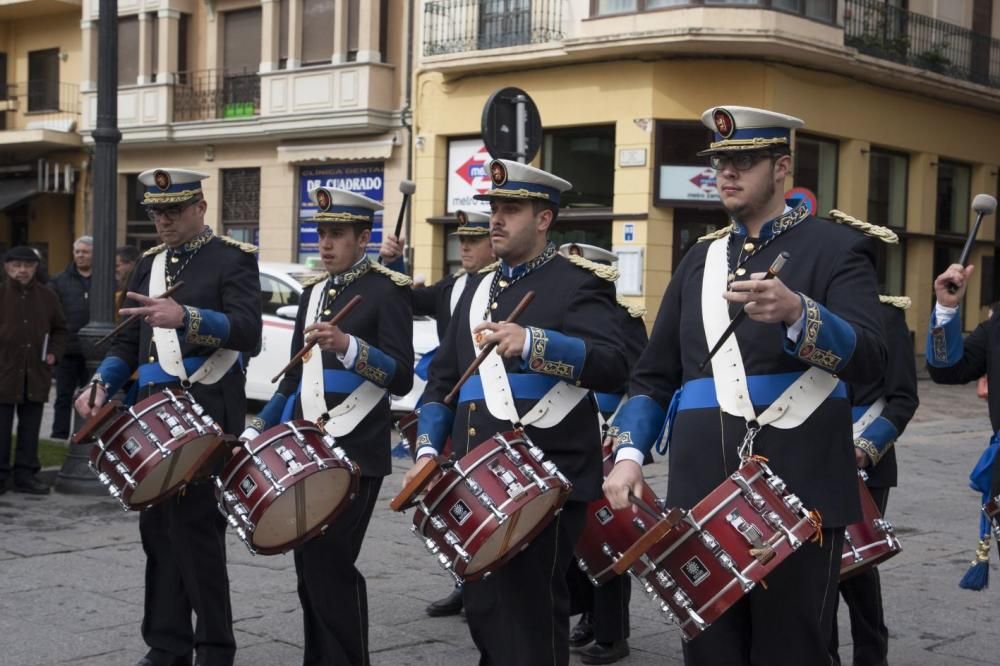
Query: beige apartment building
(901, 102)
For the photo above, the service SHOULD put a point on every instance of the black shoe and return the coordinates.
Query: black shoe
(59, 436)
(158, 658)
(605, 653)
(582, 633)
(30, 485)
(450, 605)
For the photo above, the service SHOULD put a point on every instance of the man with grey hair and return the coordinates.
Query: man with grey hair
(73, 288)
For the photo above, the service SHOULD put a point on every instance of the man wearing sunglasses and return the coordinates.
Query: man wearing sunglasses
(807, 330)
(200, 339)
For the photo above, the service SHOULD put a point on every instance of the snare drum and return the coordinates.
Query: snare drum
(487, 507)
(609, 533)
(870, 541)
(407, 427)
(285, 486)
(723, 547)
(147, 452)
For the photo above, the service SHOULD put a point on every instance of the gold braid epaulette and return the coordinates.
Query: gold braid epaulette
(634, 311)
(399, 279)
(718, 233)
(316, 279)
(867, 228)
(609, 273)
(901, 302)
(249, 248)
(155, 250)
(459, 273)
(490, 267)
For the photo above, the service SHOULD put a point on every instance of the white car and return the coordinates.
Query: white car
(280, 292)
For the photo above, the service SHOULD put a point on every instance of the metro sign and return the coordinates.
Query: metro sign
(705, 180)
(474, 171)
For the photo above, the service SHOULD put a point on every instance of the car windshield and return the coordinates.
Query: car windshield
(304, 276)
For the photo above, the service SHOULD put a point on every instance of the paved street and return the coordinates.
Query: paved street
(71, 570)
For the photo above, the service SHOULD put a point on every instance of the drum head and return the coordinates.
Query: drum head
(170, 472)
(301, 508)
(518, 527)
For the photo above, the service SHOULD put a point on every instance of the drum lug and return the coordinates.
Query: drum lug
(111, 457)
(665, 580)
(775, 521)
(123, 471)
(536, 453)
(266, 471)
(438, 523)
(669, 612)
(728, 562)
(582, 564)
(610, 552)
(164, 451)
(639, 524)
(473, 486)
(850, 544)
(452, 540)
(487, 502)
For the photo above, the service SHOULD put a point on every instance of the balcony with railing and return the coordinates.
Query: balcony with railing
(216, 95)
(46, 111)
(458, 26)
(881, 30)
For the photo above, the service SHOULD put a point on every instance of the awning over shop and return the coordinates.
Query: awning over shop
(15, 190)
(318, 153)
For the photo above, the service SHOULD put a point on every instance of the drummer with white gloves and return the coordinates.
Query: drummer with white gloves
(199, 340)
(344, 383)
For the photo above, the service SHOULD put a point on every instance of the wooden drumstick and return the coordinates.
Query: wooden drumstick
(93, 394)
(117, 329)
(487, 349)
(644, 505)
(336, 319)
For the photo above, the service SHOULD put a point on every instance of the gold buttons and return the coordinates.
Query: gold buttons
(741, 271)
(472, 432)
(748, 247)
(326, 313)
(493, 306)
(332, 292)
(504, 284)
(152, 358)
(174, 260)
(472, 407)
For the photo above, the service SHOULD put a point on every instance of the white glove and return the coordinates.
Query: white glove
(249, 435)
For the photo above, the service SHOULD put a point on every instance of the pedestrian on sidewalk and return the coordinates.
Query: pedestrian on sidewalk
(73, 288)
(32, 338)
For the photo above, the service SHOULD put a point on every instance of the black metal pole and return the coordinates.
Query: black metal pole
(75, 476)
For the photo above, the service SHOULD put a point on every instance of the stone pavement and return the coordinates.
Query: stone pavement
(71, 573)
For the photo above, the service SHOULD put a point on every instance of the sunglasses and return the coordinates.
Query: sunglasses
(739, 161)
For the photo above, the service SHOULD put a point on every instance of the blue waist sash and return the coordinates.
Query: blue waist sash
(334, 381)
(151, 373)
(858, 411)
(764, 389)
(608, 402)
(524, 386)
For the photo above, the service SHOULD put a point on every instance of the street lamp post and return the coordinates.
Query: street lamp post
(75, 476)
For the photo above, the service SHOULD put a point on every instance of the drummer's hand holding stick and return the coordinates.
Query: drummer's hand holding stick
(507, 338)
(91, 399)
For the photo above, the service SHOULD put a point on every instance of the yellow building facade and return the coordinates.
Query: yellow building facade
(883, 138)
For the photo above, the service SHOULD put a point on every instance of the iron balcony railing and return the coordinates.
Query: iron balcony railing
(457, 26)
(876, 28)
(41, 104)
(216, 94)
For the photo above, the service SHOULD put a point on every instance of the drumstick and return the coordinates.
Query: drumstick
(775, 267)
(487, 349)
(93, 394)
(982, 204)
(167, 294)
(336, 319)
(644, 505)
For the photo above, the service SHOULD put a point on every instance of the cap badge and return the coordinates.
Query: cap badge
(724, 122)
(463, 219)
(323, 199)
(162, 180)
(498, 172)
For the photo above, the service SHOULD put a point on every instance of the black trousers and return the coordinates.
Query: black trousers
(29, 420)
(788, 624)
(71, 374)
(863, 594)
(332, 591)
(184, 541)
(520, 613)
(607, 604)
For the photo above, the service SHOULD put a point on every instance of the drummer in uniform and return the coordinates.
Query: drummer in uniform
(881, 410)
(793, 344)
(200, 339)
(604, 626)
(363, 359)
(439, 301)
(567, 341)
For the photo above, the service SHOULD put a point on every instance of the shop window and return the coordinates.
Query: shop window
(241, 204)
(317, 31)
(953, 191)
(887, 176)
(585, 156)
(605, 7)
(128, 50)
(682, 177)
(43, 80)
(283, 33)
(690, 224)
(139, 229)
(815, 168)
(182, 47)
(891, 268)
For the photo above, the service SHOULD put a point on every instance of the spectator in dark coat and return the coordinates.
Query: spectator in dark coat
(73, 288)
(32, 338)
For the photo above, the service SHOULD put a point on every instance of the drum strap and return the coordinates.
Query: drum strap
(795, 404)
(456, 291)
(870, 414)
(550, 409)
(168, 344)
(356, 406)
